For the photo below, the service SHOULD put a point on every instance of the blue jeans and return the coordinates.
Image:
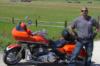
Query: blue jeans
(89, 49)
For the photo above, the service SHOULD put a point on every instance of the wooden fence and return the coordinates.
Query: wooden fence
(37, 22)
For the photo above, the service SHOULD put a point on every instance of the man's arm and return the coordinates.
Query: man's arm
(72, 28)
(97, 25)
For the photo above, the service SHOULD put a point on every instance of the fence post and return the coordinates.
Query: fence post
(13, 20)
(98, 18)
(65, 25)
(36, 22)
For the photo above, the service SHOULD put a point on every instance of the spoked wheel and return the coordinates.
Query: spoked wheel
(12, 57)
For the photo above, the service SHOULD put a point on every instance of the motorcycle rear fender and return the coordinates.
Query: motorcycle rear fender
(12, 46)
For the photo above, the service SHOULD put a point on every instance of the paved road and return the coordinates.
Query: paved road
(96, 53)
(95, 59)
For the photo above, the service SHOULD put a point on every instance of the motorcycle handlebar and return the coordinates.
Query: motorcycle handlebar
(42, 33)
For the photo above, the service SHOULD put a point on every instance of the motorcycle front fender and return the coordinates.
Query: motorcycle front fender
(12, 46)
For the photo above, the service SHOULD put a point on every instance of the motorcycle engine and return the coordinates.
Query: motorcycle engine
(44, 55)
(48, 58)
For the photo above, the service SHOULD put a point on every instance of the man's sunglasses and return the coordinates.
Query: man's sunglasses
(84, 10)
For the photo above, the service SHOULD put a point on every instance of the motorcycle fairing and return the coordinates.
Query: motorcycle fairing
(12, 46)
(24, 36)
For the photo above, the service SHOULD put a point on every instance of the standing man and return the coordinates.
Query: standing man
(82, 28)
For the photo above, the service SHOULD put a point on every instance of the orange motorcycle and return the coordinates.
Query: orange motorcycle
(37, 49)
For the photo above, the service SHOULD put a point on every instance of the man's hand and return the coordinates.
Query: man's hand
(97, 30)
(72, 32)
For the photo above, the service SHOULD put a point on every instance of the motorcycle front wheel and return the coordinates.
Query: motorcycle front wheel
(12, 57)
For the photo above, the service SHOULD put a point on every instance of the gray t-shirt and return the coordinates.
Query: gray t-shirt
(84, 28)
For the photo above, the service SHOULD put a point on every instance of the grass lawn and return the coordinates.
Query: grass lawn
(43, 10)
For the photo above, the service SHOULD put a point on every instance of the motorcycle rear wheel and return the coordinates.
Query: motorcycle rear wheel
(12, 57)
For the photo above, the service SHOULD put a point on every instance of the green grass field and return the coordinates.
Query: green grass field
(47, 10)
(43, 10)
